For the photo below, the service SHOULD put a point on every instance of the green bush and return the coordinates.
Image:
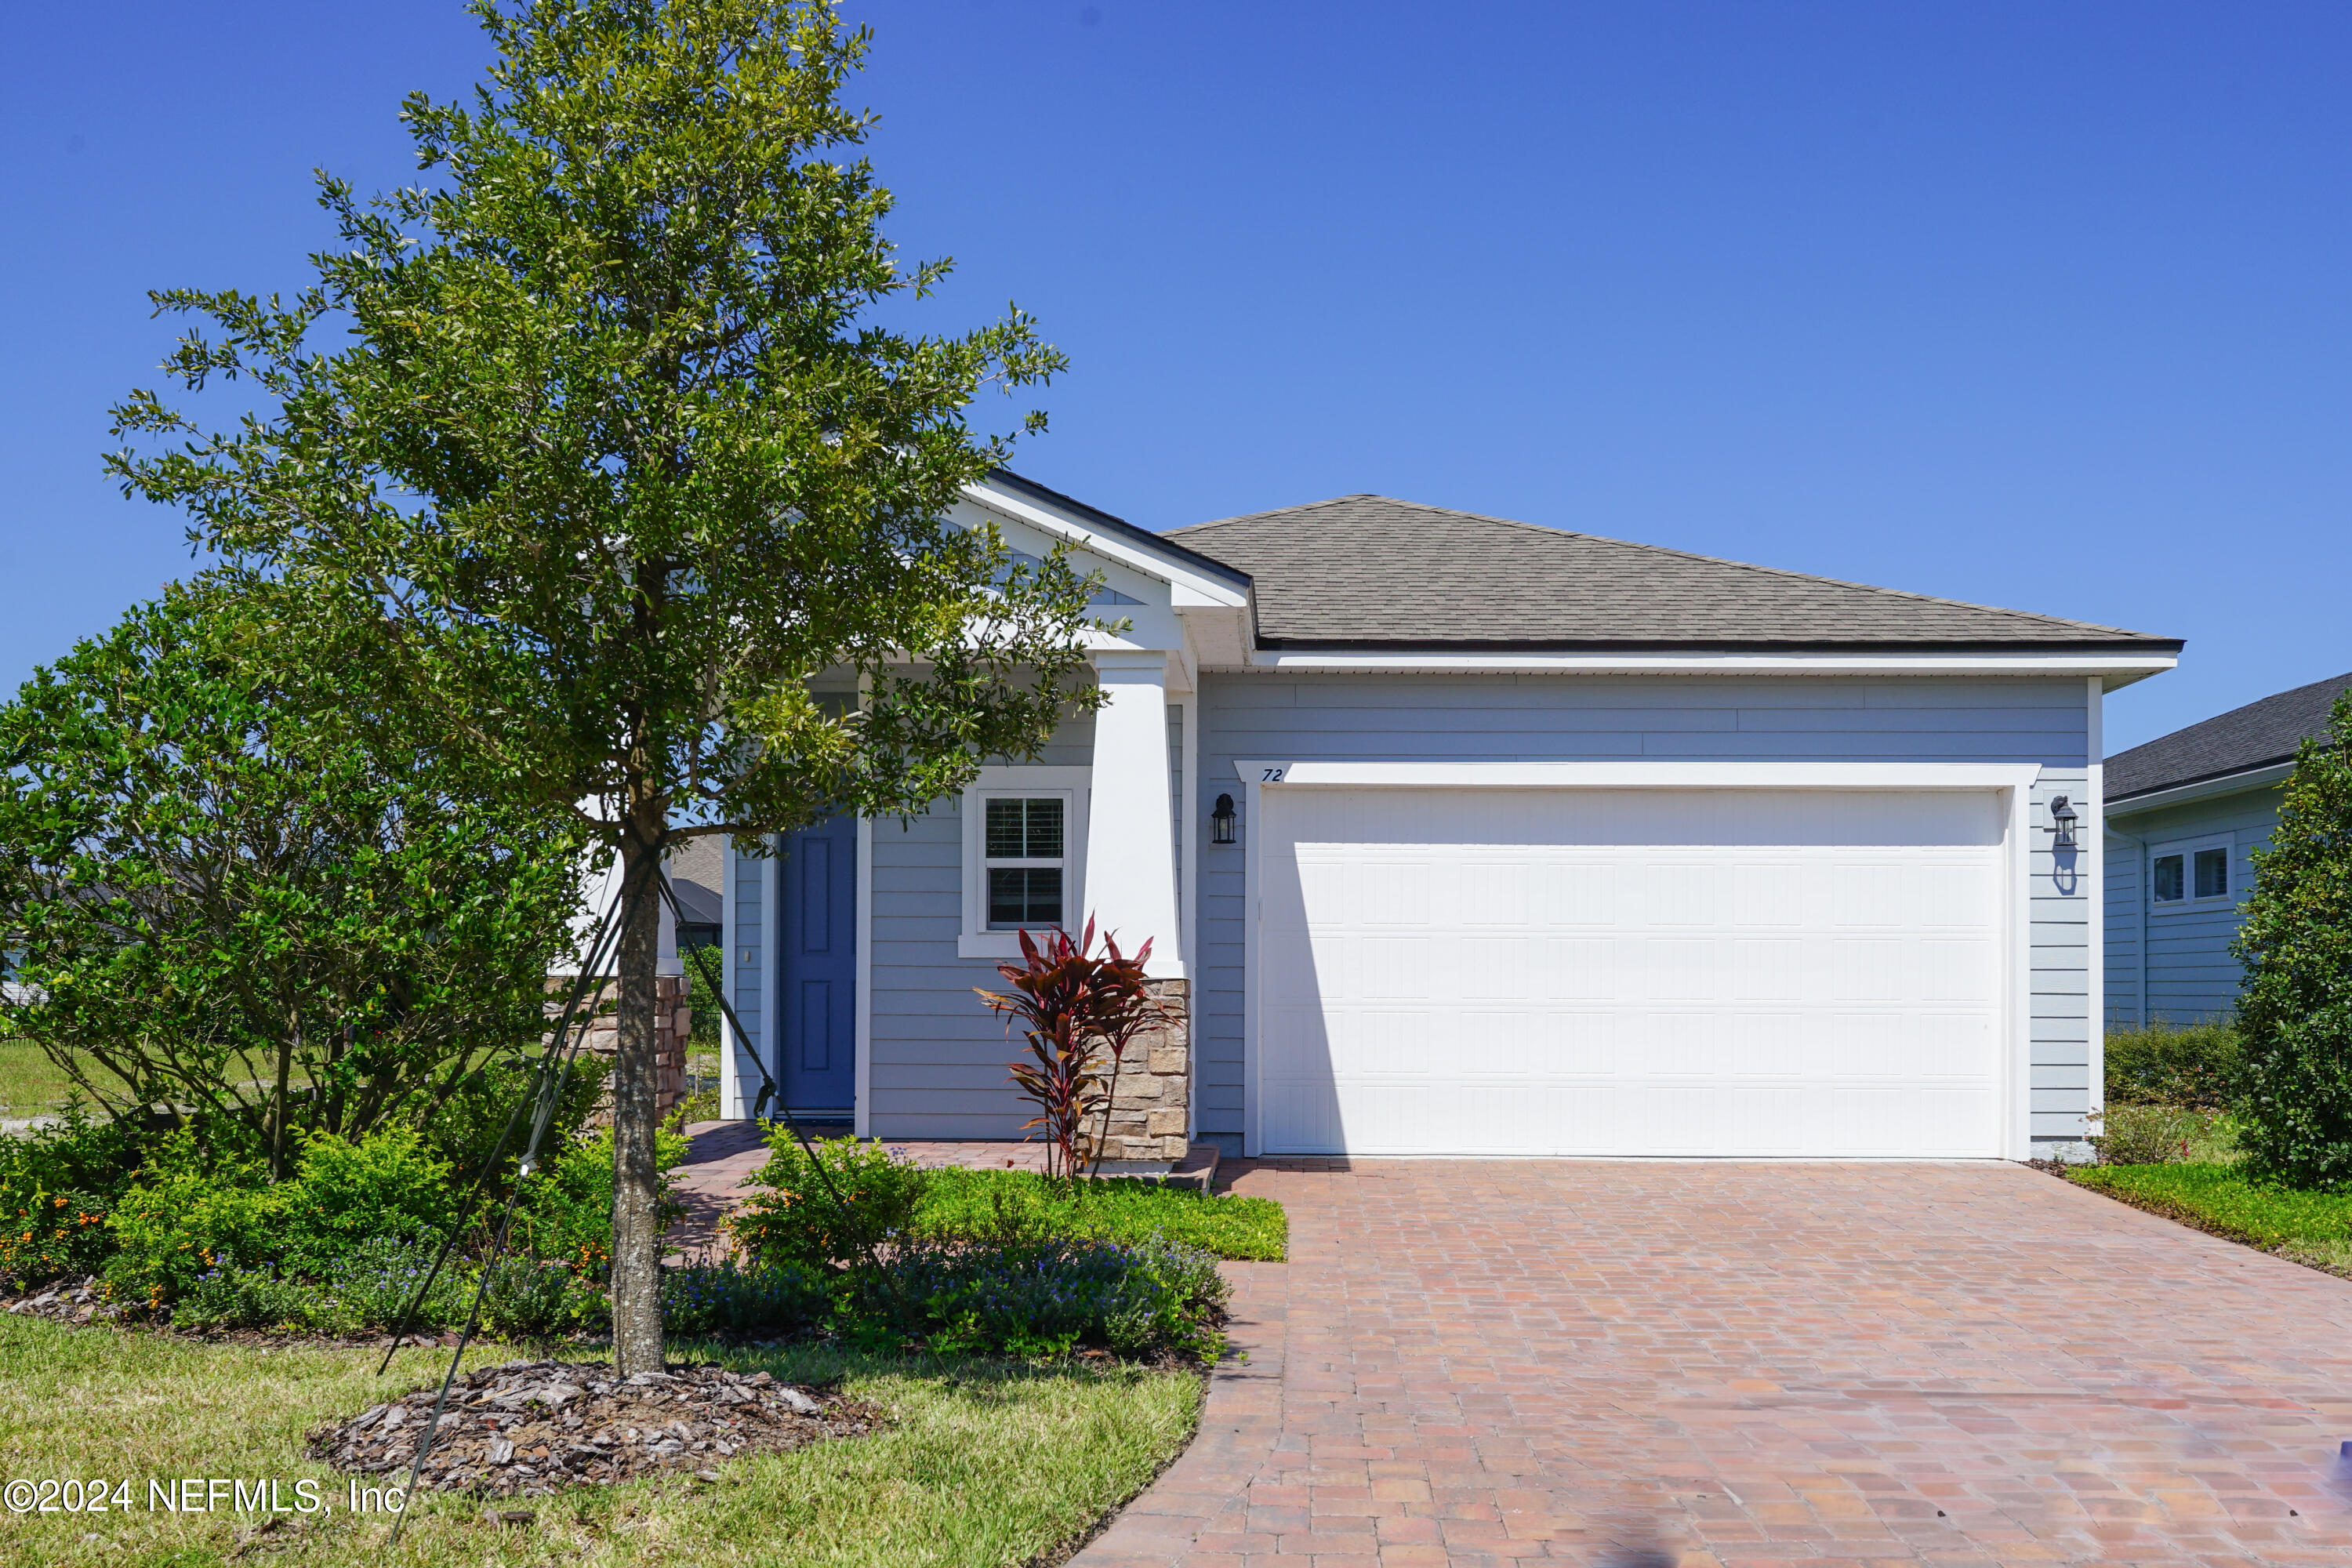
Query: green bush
(369, 1287)
(52, 1235)
(2148, 1134)
(76, 1153)
(565, 1211)
(185, 1220)
(525, 1298)
(2294, 1011)
(801, 1217)
(387, 1184)
(1051, 1297)
(2166, 1064)
(728, 1298)
(235, 1297)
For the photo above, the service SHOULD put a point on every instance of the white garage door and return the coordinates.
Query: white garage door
(1629, 971)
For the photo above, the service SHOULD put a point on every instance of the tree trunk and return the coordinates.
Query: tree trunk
(636, 1240)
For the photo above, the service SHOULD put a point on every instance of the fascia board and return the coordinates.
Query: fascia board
(1207, 590)
(2264, 777)
(2136, 666)
(1643, 775)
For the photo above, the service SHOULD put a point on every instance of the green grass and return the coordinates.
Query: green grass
(2308, 1227)
(1117, 1208)
(984, 1463)
(30, 1084)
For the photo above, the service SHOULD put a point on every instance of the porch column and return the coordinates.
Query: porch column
(1130, 874)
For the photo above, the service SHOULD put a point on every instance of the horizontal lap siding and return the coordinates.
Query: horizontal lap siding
(1556, 718)
(938, 1055)
(2191, 972)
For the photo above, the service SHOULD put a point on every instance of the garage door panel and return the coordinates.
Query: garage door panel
(1630, 973)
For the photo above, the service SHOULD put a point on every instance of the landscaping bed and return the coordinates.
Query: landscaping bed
(525, 1428)
(1120, 1208)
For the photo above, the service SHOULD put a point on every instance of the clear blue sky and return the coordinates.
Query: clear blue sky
(2041, 306)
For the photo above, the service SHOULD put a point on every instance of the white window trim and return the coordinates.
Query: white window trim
(976, 941)
(2187, 849)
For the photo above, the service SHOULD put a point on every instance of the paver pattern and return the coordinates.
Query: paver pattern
(1697, 1364)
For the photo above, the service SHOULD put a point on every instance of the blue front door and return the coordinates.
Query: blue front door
(816, 1001)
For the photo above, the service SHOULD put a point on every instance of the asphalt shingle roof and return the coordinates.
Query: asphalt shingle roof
(1373, 571)
(2253, 736)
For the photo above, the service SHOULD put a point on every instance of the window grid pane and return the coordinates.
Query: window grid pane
(1024, 829)
(1023, 896)
(2212, 873)
(2167, 880)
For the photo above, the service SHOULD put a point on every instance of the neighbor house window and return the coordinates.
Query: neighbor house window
(1024, 843)
(1024, 846)
(2189, 873)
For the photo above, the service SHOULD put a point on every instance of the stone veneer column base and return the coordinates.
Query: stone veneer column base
(1151, 1110)
(673, 1023)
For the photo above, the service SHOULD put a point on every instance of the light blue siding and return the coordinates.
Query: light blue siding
(1506, 717)
(938, 1055)
(2191, 974)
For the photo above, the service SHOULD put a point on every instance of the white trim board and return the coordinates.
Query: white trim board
(1211, 591)
(1641, 775)
(862, 1011)
(2114, 669)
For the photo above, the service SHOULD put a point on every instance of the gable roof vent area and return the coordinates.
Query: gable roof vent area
(1372, 572)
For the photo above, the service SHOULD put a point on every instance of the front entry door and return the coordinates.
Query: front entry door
(818, 967)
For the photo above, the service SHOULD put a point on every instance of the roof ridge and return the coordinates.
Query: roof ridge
(1547, 532)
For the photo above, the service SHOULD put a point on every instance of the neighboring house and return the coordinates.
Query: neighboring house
(1465, 837)
(697, 872)
(2183, 813)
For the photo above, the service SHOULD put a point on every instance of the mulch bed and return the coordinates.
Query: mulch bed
(528, 1427)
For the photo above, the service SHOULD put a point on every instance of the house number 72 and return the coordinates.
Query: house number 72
(1272, 776)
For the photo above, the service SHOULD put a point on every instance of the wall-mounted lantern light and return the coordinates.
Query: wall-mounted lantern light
(1221, 821)
(2062, 818)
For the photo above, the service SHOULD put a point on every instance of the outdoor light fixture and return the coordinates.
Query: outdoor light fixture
(1221, 821)
(2063, 819)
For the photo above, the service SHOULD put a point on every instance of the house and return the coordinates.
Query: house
(1460, 836)
(2182, 813)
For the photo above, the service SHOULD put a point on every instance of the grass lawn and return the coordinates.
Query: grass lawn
(985, 1463)
(2313, 1228)
(30, 1084)
(1119, 1208)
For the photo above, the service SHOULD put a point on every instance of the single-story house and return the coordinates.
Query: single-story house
(2183, 813)
(1461, 835)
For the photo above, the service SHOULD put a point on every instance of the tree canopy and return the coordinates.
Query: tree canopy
(619, 448)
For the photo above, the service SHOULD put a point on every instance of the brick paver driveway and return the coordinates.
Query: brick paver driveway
(1699, 1364)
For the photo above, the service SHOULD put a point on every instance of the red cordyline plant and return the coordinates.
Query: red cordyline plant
(1077, 1007)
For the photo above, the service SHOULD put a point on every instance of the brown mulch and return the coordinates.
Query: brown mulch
(528, 1427)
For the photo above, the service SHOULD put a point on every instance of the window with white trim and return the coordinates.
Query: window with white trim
(1024, 837)
(2188, 873)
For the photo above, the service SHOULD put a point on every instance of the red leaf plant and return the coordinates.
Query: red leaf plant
(1078, 1008)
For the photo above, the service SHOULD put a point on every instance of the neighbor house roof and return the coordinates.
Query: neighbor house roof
(1369, 572)
(2261, 734)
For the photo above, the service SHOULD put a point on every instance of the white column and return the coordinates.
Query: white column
(1131, 885)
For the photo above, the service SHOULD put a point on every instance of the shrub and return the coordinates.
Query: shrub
(1078, 1010)
(389, 1184)
(747, 1302)
(565, 1211)
(184, 1221)
(523, 1298)
(871, 1196)
(2145, 1134)
(1051, 1297)
(2295, 1012)
(370, 1287)
(235, 1297)
(52, 1235)
(78, 1152)
(2166, 1064)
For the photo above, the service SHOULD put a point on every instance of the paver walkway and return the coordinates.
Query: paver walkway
(1697, 1364)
